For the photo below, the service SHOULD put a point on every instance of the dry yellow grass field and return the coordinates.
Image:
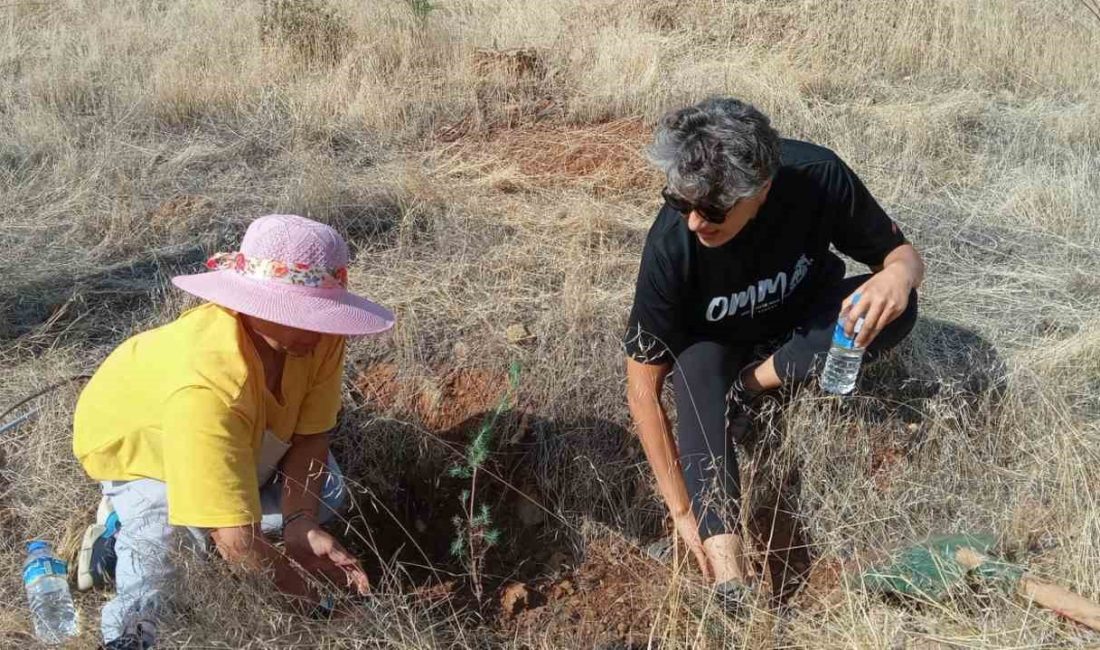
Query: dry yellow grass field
(483, 157)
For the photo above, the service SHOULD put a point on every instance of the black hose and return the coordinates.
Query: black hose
(43, 392)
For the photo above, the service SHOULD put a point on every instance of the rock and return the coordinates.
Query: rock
(515, 598)
(517, 333)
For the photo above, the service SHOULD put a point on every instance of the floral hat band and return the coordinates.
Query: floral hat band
(292, 271)
(295, 273)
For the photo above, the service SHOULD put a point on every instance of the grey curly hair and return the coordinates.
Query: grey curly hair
(721, 149)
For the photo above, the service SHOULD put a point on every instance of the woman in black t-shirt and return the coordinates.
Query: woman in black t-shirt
(739, 260)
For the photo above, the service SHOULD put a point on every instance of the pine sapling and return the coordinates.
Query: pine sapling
(474, 531)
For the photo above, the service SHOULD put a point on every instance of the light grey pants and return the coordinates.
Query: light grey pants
(146, 541)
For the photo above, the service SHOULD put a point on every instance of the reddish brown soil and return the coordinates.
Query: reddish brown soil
(783, 549)
(609, 600)
(613, 598)
(885, 462)
(414, 522)
(606, 157)
(439, 402)
(535, 588)
(823, 585)
(889, 455)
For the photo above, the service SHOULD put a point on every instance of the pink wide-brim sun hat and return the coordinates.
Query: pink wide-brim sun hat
(292, 271)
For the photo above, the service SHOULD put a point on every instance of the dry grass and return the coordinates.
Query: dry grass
(482, 157)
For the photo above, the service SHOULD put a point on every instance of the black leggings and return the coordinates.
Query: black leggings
(703, 373)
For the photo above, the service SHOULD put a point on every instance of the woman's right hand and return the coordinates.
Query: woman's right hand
(688, 530)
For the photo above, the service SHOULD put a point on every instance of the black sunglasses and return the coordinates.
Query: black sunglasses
(709, 211)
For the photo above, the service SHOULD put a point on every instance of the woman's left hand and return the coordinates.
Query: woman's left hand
(881, 299)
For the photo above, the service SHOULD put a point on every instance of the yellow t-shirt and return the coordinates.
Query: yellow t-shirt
(187, 404)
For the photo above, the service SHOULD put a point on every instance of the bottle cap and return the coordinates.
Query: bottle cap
(36, 545)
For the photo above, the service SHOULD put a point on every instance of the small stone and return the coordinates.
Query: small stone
(515, 598)
(517, 333)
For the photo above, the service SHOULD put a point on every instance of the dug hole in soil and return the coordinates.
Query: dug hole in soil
(536, 581)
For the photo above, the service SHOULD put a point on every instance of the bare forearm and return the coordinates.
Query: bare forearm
(286, 577)
(654, 433)
(304, 468)
(643, 385)
(905, 259)
(653, 429)
(246, 547)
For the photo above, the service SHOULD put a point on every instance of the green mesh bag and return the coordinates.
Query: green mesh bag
(929, 570)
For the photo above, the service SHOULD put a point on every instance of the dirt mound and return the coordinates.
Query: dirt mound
(609, 600)
(606, 158)
(824, 584)
(441, 401)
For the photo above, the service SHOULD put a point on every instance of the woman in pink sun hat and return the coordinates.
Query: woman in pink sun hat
(215, 427)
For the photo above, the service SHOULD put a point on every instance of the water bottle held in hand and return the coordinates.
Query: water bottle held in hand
(842, 364)
(45, 577)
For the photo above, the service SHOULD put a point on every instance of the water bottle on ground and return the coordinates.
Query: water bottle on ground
(842, 364)
(46, 580)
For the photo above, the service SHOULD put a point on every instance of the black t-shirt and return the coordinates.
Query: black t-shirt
(753, 287)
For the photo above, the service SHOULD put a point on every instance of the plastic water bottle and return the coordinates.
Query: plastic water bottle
(46, 580)
(842, 364)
